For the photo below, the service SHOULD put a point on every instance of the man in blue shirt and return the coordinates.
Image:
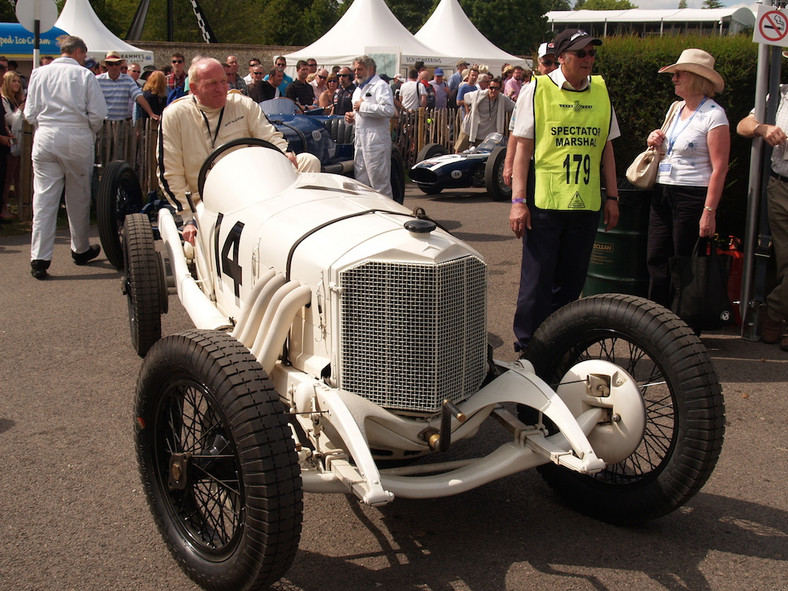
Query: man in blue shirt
(281, 62)
(120, 89)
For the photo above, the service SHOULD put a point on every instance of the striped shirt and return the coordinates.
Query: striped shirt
(118, 93)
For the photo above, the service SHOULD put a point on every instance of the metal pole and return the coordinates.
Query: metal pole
(36, 42)
(756, 242)
(170, 20)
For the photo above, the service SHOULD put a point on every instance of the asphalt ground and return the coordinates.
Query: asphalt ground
(73, 516)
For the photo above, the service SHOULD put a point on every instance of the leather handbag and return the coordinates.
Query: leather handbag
(642, 173)
(700, 287)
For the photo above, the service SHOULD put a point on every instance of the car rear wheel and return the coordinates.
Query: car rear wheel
(143, 284)
(430, 151)
(119, 194)
(397, 176)
(493, 176)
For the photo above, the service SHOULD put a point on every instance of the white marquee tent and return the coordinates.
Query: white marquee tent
(452, 32)
(78, 18)
(369, 27)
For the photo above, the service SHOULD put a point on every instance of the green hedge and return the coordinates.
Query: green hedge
(641, 98)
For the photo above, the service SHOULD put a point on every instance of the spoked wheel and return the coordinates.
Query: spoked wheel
(684, 410)
(144, 283)
(119, 194)
(217, 461)
(493, 176)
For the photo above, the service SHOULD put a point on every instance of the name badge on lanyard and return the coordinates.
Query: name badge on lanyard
(664, 167)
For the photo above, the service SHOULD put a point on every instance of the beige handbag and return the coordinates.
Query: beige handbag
(642, 173)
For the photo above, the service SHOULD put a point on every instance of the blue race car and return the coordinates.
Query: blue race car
(328, 137)
(480, 166)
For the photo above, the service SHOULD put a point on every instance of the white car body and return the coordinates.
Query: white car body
(381, 325)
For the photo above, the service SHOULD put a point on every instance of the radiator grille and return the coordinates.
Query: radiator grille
(413, 334)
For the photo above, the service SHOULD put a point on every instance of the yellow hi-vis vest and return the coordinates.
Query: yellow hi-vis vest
(572, 127)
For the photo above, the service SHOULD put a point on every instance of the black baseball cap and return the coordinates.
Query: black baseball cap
(573, 40)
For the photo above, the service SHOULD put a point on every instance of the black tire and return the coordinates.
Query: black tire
(685, 415)
(143, 283)
(397, 176)
(213, 156)
(231, 521)
(430, 151)
(429, 190)
(493, 176)
(119, 194)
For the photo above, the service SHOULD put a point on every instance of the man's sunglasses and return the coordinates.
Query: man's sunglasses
(322, 77)
(548, 63)
(343, 75)
(177, 61)
(582, 53)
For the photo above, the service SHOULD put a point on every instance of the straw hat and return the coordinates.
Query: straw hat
(113, 56)
(698, 62)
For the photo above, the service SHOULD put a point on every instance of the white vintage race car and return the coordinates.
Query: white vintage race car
(340, 346)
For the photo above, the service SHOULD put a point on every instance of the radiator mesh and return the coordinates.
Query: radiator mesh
(413, 334)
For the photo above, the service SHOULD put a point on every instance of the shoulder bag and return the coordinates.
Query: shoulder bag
(642, 173)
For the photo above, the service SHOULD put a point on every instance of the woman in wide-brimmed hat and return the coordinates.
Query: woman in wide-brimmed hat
(692, 169)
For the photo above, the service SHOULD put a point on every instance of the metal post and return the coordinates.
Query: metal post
(756, 244)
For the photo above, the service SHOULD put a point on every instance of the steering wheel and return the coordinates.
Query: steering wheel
(241, 141)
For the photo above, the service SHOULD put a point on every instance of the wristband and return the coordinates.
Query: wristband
(613, 197)
(707, 208)
(518, 200)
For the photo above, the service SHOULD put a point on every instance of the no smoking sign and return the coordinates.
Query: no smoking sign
(771, 27)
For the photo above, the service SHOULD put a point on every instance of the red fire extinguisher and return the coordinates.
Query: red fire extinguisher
(734, 250)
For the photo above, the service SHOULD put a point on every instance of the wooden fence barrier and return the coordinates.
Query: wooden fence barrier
(136, 143)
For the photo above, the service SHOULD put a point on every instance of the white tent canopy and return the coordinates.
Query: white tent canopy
(452, 32)
(79, 19)
(369, 27)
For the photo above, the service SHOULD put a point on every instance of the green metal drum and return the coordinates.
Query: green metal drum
(618, 260)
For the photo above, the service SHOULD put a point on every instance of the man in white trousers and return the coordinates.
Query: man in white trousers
(373, 108)
(65, 103)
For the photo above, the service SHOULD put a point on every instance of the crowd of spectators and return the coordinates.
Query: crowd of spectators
(368, 99)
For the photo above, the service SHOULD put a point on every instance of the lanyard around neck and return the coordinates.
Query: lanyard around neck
(675, 136)
(208, 125)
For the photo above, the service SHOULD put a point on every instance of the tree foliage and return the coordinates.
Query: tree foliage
(517, 26)
(412, 13)
(712, 4)
(604, 5)
(559, 5)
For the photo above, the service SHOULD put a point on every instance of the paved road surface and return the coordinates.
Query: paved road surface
(72, 514)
